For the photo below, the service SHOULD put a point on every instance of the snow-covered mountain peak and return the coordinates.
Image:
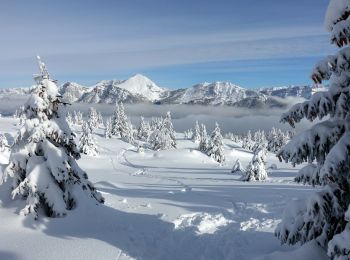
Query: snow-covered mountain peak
(141, 85)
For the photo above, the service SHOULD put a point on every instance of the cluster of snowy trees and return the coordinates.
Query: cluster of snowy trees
(324, 216)
(42, 167)
(256, 169)
(211, 145)
(159, 133)
(163, 134)
(274, 140)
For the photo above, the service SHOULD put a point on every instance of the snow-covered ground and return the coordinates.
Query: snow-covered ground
(172, 204)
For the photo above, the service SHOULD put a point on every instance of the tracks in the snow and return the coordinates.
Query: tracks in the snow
(141, 172)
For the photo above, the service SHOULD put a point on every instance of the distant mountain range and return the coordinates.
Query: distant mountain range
(140, 89)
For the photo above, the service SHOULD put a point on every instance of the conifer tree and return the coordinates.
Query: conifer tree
(69, 118)
(324, 216)
(163, 137)
(215, 146)
(196, 134)
(100, 120)
(43, 168)
(203, 144)
(248, 143)
(143, 132)
(92, 119)
(238, 168)
(108, 131)
(87, 143)
(256, 170)
(115, 122)
(188, 134)
(3, 143)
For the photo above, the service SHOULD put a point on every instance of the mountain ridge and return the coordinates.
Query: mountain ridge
(140, 89)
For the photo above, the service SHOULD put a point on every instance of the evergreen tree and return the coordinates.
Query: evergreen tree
(256, 168)
(325, 215)
(168, 127)
(215, 146)
(3, 143)
(121, 126)
(203, 144)
(92, 119)
(78, 118)
(115, 122)
(43, 166)
(196, 134)
(248, 143)
(87, 143)
(100, 120)
(163, 137)
(238, 168)
(188, 134)
(108, 131)
(69, 118)
(143, 132)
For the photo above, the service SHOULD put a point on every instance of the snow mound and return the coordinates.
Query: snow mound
(256, 224)
(204, 223)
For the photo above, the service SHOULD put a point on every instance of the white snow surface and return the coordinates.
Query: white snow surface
(171, 204)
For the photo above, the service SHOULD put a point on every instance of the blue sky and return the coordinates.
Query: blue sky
(175, 43)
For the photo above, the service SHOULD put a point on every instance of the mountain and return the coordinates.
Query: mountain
(217, 93)
(72, 92)
(110, 92)
(139, 88)
(133, 90)
(292, 91)
(15, 91)
(143, 86)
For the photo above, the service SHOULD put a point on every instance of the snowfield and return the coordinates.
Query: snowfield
(171, 204)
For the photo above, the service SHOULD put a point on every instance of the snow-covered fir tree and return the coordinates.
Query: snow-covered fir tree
(69, 119)
(276, 139)
(128, 132)
(93, 119)
(115, 121)
(324, 216)
(87, 144)
(203, 140)
(188, 134)
(143, 131)
(260, 140)
(196, 133)
(256, 170)
(156, 123)
(100, 122)
(121, 126)
(163, 137)
(3, 143)
(169, 128)
(248, 142)
(78, 118)
(43, 168)
(216, 146)
(108, 130)
(238, 168)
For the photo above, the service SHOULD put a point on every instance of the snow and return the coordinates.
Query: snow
(169, 204)
(142, 85)
(335, 11)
